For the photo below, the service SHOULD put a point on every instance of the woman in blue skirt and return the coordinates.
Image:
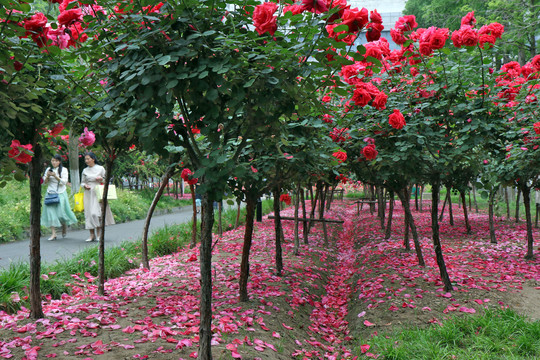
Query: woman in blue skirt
(59, 214)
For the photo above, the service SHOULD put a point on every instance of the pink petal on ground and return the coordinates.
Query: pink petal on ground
(364, 348)
(367, 323)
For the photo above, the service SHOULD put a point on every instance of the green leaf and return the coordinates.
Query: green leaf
(341, 28)
(272, 80)
(249, 83)
(164, 60)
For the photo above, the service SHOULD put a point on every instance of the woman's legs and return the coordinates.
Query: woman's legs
(64, 230)
(53, 234)
(92, 235)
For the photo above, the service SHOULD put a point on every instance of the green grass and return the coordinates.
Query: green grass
(118, 260)
(15, 207)
(497, 334)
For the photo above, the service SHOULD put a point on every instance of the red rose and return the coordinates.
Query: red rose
(355, 19)
(57, 129)
(373, 31)
(20, 152)
(406, 23)
(468, 20)
(361, 96)
(535, 62)
(469, 36)
(369, 152)
(286, 198)
(396, 120)
(70, 16)
(185, 174)
(486, 39)
(35, 24)
(295, 9)
(438, 38)
(496, 29)
(17, 65)
(379, 102)
(397, 36)
(375, 17)
(537, 128)
(341, 156)
(263, 18)
(314, 6)
(425, 49)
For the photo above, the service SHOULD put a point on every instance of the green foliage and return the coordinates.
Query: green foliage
(497, 334)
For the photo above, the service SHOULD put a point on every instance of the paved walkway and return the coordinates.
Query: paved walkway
(75, 240)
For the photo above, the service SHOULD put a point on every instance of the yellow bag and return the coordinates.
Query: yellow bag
(111, 194)
(79, 202)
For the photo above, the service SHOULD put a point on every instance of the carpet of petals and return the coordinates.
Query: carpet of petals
(329, 301)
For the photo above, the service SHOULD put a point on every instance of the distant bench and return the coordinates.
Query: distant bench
(360, 204)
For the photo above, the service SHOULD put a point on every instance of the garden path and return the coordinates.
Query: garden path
(18, 251)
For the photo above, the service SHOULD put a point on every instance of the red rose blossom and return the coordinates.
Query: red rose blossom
(369, 152)
(70, 16)
(396, 120)
(20, 152)
(379, 102)
(537, 127)
(355, 19)
(286, 198)
(341, 156)
(264, 19)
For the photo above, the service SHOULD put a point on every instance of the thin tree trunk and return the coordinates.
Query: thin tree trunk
(507, 203)
(314, 200)
(194, 217)
(157, 196)
(390, 215)
(465, 213)
(73, 155)
(517, 205)
(527, 202)
(474, 198)
(372, 197)
(436, 237)
(404, 197)
(406, 242)
(329, 201)
(304, 223)
(205, 257)
(450, 212)
(109, 162)
(35, 167)
(296, 235)
(322, 198)
(443, 207)
(220, 220)
(493, 237)
(277, 230)
(421, 196)
(248, 236)
(382, 205)
(416, 192)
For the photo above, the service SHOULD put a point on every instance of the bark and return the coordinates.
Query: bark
(157, 196)
(101, 246)
(406, 242)
(237, 221)
(443, 207)
(416, 196)
(331, 198)
(421, 196)
(465, 213)
(324, 190)
(73, 155)
(388, 232)
(304, 223)
(372, 197)
(248, 237)
(507, 200)
(296, 235)
(517, 204)
(194, 217)
(474, 198)
(35, 167)
(314, 200)
(277, 230)
(450, 212)
(205, 255)
(220, 213)
(381, 205)
(492, 236)
(436, 237)
(527, 202)
(404, 197)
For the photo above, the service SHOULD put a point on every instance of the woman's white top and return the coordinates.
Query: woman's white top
(53, 183)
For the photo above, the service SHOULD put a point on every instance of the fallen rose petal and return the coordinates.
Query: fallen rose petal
(367, 323)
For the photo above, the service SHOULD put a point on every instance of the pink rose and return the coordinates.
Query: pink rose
(87, 138)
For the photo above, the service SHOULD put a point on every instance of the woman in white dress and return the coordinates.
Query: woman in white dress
(93, 175)
(60, 214)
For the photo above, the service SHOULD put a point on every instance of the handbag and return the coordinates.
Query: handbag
(111, 195)
(51, 198)
(79, 202)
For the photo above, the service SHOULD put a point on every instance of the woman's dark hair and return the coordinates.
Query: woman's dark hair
(59, 158)
(92, 155)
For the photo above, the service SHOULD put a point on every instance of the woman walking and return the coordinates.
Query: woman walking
(92, 176)
(58, 214)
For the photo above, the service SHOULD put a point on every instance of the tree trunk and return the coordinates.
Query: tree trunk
(404, 197)
(304, 223)
(527, 202)
(436, 237)
(421, 196)
(322, 198)
(390, 215)
(220, 214)
(371, 197)
(381, 206)
(248, 236)
(443, 207)
(417, 191)
(507, 200)
(277, 230)
(296, 235)
(465, 212)
(314, 200)
(450, 212)
(331, 198)
(194, 217)
(109, 162)
(474, 198)
(73, 155)
(493, 238)
(205, 255)
(36, 169)
(517, 205)
(157, 196)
